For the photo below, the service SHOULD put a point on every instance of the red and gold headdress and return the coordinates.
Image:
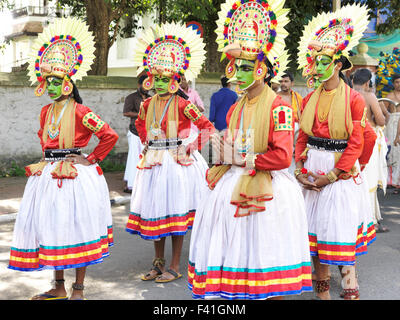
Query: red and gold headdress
(171, 50)
(252, 30)
(332, 34)
(65, 49)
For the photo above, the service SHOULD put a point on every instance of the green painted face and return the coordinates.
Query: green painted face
(161, 85)
(54, 86)
(325, 68)
(244, 74)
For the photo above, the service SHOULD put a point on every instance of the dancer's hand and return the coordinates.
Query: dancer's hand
(320, 180)
(146, 147)
(307, 184)
(78, 159)
(396, 142)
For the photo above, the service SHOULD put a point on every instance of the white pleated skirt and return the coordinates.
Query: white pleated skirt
(63, 224)
(262, 255)
(339, 216)
(165, 198)
(135, 149)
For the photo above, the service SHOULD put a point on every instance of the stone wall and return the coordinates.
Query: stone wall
(20, 109)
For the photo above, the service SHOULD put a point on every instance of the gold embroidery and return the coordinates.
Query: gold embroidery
(192, 112)
(364, 118)
(142, 113)
(283, 118)
(93, 122)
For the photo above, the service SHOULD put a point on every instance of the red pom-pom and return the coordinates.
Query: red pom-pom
(304, 170)
(99, 170)
(252, 172)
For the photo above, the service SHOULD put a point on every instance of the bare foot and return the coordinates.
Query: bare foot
(58, 292)
(324, 295)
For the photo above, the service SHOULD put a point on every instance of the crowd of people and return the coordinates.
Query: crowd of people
(292, 187)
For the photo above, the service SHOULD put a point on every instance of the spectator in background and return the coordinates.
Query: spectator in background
(275, 85)
(131, 110)
(192, 94)
(375, 172)
(221, 101)
(290, 96)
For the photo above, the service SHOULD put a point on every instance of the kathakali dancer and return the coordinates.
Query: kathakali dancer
(249, 239)
(330, 143)
(64, 220)
(170, 179)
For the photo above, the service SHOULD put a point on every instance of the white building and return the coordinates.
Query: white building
(22, 24)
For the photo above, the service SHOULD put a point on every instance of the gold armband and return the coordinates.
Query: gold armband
(332, 177)
(297, 172)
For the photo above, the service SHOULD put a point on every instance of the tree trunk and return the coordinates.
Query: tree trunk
(99, 17)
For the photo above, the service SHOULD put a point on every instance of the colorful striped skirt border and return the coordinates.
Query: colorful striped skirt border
(342, 253)
(61, 257)
(252, 284)
(152, 229)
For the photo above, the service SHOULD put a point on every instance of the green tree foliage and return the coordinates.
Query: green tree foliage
(204, 12)
(104, 18)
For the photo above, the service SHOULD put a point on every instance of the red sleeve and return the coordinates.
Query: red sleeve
(106, 135)
(140, 122)
(302, 138)
(280, 145)
(369, 144)
(108, 138)
(42, 119)
(355, 143)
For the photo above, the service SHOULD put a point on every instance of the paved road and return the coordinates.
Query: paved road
(118, 278)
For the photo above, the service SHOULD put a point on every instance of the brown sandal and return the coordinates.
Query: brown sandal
(157, 263)
(175, 275)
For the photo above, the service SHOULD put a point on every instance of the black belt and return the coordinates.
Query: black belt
(327, 144)
(59, 154)
(164, 144)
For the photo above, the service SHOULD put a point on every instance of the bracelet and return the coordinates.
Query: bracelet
(299, 171)
(332, 177)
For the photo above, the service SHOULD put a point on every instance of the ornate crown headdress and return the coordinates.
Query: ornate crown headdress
(252, 30)
(172, 50)
(280, 66)
(333, 34)
(64, 49)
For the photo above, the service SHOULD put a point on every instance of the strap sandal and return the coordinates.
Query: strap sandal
(170, 271)
(157, 263)
(47, 296)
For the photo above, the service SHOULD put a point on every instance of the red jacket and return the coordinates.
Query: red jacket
(83, 132)
(206, 128)
(359, 145)
(280, 143)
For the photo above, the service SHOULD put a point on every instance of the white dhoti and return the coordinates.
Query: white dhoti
(394, 154)
(135, 149)
(375, 172)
